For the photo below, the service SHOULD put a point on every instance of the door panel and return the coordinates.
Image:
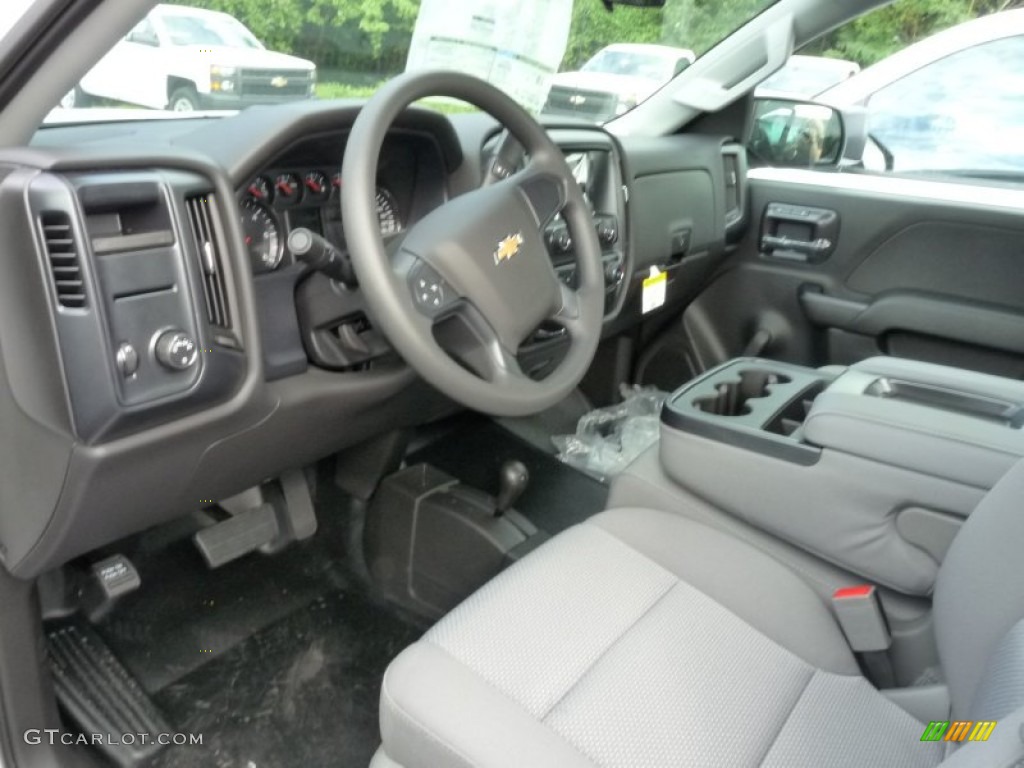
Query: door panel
(921, 269)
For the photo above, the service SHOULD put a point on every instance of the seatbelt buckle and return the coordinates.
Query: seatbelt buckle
(859, 612)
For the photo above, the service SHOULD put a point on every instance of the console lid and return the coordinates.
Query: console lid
(932, 419)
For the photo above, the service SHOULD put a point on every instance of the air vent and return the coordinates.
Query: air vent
(59, 240)
(211, 263)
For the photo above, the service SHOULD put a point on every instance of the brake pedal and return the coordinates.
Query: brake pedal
(100, 696)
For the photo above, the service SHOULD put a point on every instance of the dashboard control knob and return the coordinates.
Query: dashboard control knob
(127, 360)
(176, 350)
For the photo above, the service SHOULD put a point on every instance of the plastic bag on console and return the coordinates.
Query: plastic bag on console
(608, 439)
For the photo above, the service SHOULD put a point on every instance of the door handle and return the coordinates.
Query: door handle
(798, 232)
(809, 247)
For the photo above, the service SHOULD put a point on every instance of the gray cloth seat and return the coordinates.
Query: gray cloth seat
(643, 638)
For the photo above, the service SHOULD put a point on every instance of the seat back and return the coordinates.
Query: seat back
(979, 606)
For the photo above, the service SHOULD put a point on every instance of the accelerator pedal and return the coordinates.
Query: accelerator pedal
(266, 518)
(238, 535)
(101, 697)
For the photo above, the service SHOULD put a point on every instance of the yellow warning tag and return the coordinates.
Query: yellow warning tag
(653, 294)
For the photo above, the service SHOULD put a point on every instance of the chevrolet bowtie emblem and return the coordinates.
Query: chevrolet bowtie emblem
(279, 82)
(508, 248)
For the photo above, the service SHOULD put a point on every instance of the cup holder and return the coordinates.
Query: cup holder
(731, 397)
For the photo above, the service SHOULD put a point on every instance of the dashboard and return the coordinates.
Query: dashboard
(160, 345)
(302, 187)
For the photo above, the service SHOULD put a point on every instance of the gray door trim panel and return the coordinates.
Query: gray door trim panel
(958, 321)
(898, 187)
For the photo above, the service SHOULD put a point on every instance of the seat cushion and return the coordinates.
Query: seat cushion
(641, 639)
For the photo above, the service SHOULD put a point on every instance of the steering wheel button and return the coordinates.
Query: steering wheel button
(429, 289)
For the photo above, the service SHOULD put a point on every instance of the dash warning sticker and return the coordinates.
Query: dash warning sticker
(653, 294)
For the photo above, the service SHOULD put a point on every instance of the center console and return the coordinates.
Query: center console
(873, 467)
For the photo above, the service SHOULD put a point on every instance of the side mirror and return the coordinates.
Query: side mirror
(795, 134)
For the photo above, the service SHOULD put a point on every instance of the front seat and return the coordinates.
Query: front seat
(643, 638)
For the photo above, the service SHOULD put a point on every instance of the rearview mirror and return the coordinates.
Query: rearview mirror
(795, 134)
(635, 3)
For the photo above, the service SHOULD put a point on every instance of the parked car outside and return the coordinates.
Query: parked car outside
(951, 103)
(807, 76)
(183, 59)
(615, 79)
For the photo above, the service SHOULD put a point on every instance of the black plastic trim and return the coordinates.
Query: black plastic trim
(679, 412)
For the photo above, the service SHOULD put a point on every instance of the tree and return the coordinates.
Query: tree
(700, 24)
(593, 28)
(884, 31)
(277, 23)
(374, 18)
(876, 35)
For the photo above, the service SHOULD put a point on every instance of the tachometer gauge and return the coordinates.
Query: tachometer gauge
(387, 213)
(288, 188)
(262, 236)
(261, 189)
(318, 186)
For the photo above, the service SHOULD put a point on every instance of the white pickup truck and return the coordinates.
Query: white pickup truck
(184, 59)
(615, 79)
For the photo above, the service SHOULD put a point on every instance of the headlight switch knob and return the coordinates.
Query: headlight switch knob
(176, 350)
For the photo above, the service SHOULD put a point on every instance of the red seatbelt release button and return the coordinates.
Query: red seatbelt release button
(859, 612)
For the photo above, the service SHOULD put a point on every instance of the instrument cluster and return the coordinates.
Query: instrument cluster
(276, 202)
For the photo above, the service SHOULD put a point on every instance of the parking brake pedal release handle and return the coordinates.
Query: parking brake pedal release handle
(513, 480)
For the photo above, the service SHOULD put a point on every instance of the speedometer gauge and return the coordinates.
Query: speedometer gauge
(262, 236)
(388, 218)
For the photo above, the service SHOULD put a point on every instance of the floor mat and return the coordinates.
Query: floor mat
(276, 660)
(301, 692)
(557, 497)
(183, 607)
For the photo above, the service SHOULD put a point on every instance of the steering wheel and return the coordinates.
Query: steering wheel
(471, 280)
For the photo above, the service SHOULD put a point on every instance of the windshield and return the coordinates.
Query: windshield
(552, 56)
(807, 76)
(13, 11)
(631, 63)
(194, 30)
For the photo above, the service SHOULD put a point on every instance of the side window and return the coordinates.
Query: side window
(963, 114)
(143, 33)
